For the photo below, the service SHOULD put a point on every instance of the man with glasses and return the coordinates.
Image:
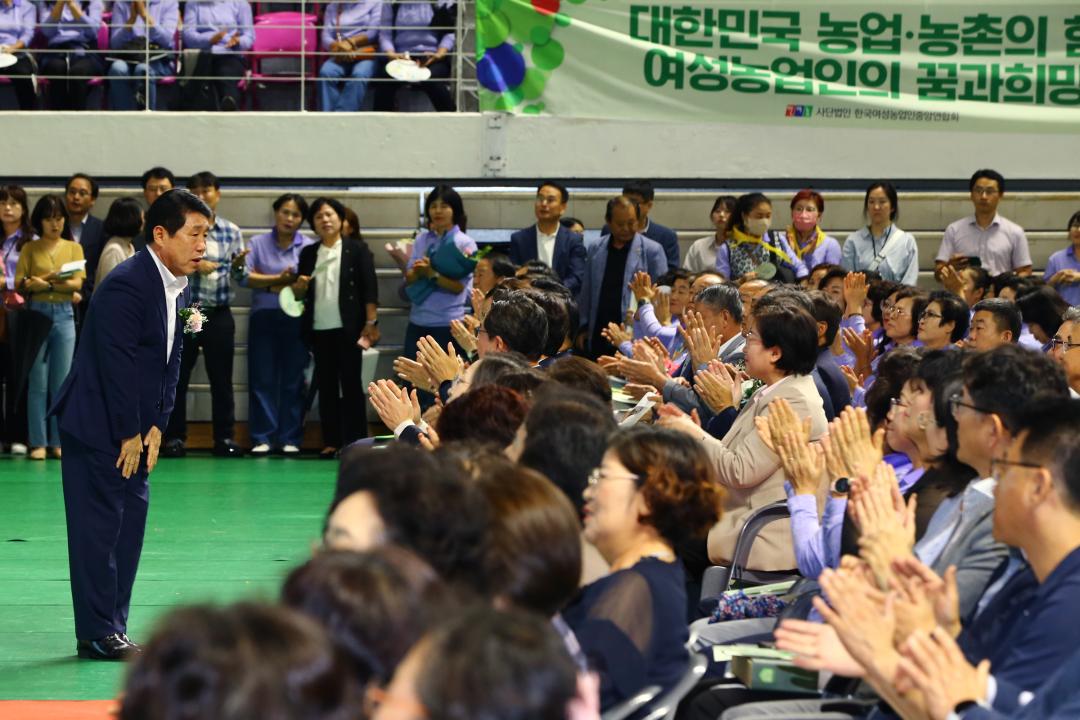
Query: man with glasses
(999, 244)
(79, 195)
(1065, 348)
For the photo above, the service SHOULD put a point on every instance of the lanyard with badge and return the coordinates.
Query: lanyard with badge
(879, 257)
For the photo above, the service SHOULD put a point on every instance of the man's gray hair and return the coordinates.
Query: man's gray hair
(1072, 314)
(721, 297)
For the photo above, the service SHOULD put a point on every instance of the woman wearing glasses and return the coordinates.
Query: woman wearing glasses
(944, 321)
(654, 490)
(881, 246)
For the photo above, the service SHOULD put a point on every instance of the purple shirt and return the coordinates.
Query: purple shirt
(10, 258)
(266, 258)
(827, 251)
(164, 16)
(202, 20)
(348, 19)
(69, 30)
(441, 306)
(413, 33)
(646, 325)
(17, 22)
(1065, 260)
(1002, 246)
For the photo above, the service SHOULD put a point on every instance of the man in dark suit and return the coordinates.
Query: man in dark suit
(548, 240)
(115, 402)
(641, 192)
(80, 193)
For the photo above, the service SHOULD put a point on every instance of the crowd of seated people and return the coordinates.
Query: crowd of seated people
(62, 48)
(580, 435)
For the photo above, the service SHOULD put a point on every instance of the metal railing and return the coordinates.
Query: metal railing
(289, 58)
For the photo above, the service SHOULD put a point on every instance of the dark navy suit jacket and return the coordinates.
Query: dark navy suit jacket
(93, 242)
(668, 239)
(567, 259)
(121, 384)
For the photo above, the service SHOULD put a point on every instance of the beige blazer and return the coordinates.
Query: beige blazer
(752, 476)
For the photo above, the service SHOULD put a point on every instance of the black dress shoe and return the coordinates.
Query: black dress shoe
(328, 453)
(134, 648)
(112, 647)
(227, 448)
(173, 448)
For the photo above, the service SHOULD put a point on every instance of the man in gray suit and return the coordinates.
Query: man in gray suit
(998, 384)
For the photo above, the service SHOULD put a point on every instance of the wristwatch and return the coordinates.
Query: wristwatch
(841, 486)
(373, 322)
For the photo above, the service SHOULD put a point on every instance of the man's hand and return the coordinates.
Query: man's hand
(440, 365)
(662, 308)
(863, 619)
(816, 647)
(934, 664)
(942, 592)
(205, 267)
(861, 346)
(414, 373)
(393, 404)
(153, 444)
(130, 452)
(463, 335)
(642, 372)
(701, 341)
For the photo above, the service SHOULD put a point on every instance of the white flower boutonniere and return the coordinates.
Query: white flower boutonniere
(193, 319)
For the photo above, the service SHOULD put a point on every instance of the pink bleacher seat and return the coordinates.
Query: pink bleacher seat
(283, 35)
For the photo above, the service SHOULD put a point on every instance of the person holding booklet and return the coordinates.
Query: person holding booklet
(50, 271)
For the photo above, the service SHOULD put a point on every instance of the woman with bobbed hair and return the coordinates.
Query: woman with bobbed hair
(702, 253)
(1042, 310)
(374, 605)
(880, 246)
(242, 661)
(489, 414)
(122, 223)
(654, 490)
(944, 321)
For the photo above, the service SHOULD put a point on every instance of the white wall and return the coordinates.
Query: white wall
(465, 146)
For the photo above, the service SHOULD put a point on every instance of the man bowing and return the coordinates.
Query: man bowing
(113, 406)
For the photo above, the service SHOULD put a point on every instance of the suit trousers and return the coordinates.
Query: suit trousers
(341, 394)
(217, 341)
(106, 520)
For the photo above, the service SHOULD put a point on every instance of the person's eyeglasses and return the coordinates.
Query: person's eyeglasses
(897, 311)
(984, 192)
(1062, 343)
(598, 474)
(898, 402)
(956, 401)
(929, 314)
(749, 335)
(999, 465)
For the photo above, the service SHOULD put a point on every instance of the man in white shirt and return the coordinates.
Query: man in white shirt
(548, 241)
(1000, 244)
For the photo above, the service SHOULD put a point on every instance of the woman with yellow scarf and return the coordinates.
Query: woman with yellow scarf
(805, 235)
(752, 251)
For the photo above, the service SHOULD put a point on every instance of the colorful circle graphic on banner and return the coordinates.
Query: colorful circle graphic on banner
(501, 69)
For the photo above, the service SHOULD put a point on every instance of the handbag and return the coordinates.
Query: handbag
(355, 54)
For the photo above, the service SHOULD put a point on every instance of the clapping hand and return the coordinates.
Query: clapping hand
(935, 665)
(863, 618)
(951, 280)
(718, 385)
(1064, 277)
(803, 463)
(855, 291)
(671, 416)
(414, 373)
(393, 404)
(862, 347)
(616, 334)
(941, 592)
(701, 341)
(464, 335)
(440, 365)
(860, 449)
(662, 308)
(816, 647)
(642, 287)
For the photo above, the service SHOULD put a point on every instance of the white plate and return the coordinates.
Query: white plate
(289, 304)
(407, 71)
(7, 60)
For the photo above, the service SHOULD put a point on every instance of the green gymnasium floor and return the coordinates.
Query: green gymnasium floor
(219, 530)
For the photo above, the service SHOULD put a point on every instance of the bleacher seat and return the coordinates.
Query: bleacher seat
(284, 51)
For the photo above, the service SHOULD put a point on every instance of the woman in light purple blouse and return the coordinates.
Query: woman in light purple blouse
(343, 77)
(423, 30)
(71, 28)
(17, 22)
(445, 215)
(277, 355)
(223, 31)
